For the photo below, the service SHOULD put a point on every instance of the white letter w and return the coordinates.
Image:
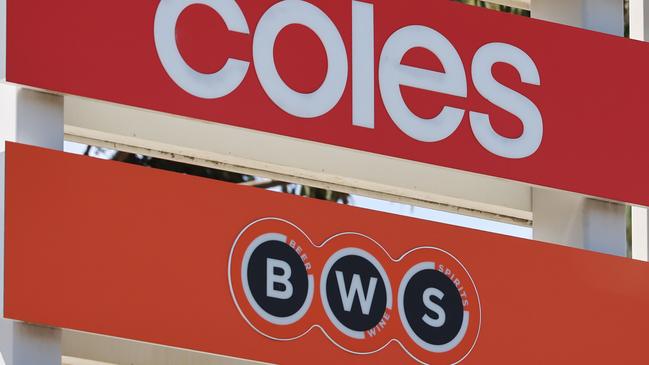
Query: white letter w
(356, 289)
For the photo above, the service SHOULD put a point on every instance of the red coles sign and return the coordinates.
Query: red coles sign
(430, 81)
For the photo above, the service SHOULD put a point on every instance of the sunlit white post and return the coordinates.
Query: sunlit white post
(33, 118)
(639, 29)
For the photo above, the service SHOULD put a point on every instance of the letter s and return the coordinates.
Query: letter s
(507, 99)
(441, 314)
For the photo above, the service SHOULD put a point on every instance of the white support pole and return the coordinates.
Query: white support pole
(3, 38)
(639, 29)
(567, 218)
(640, 233)
(573, 220)
(639, 19)
(521, 4)
(605, 16)
(34, 118)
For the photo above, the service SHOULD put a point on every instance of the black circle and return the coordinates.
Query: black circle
(415, 309)
(257, 276)
(355, 319)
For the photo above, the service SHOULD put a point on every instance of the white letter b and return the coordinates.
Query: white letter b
(272, 279)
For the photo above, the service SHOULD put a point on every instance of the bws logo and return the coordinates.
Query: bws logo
(284, 285)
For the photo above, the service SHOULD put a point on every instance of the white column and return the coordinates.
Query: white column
(640, 233)
(3, 38)
(566, 218)
(599, 15)
(558, 217)
(638, 23)
(33, 118)
(572, 220)
(639, 29)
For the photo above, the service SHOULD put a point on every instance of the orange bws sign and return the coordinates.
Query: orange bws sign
(349, 287)
(154, 256)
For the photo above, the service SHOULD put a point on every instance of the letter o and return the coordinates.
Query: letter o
(206, 86)
(279, 16)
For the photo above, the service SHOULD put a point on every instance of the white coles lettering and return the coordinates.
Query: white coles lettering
(362, 64)
(205, 86)
(392, 74)
(507, 99)
(279, 16)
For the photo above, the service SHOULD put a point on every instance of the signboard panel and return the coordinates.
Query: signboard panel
(154, 256)
(431, 81)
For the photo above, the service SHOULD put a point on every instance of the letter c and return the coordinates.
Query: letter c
(206, 86)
